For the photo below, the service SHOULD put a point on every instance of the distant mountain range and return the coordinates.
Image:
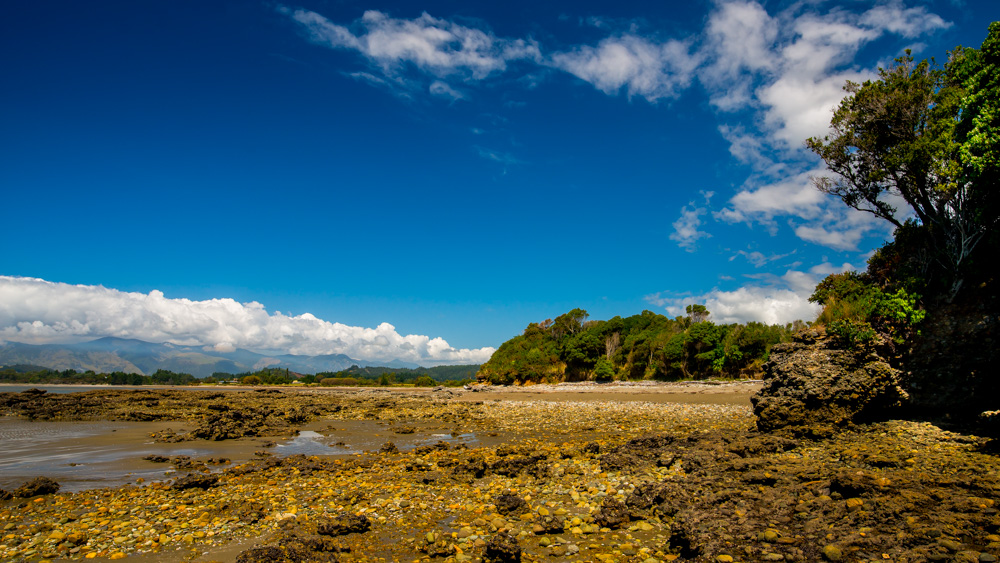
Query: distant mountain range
(135, 356)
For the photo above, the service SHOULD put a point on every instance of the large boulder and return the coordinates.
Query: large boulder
(812, 385)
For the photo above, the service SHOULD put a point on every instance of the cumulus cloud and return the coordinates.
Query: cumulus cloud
(772, 300)
(791, 76)
(37, 311)
(686, 232)
(639, 65)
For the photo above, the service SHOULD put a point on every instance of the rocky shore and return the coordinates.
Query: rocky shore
(605, 480)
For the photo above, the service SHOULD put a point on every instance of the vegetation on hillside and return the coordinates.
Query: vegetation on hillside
(643, 346)
(929, 136)
(359, 376)
(34, 375)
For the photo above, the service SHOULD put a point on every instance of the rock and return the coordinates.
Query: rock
(194, 481)
(953, 361)
(5, 495)
(345, 524)
(832, 553)
(156, 458)
(811, 386)
(473, 467)
(388, 448)
(503, 548)
(510, 505)
(37, 486)
(613, 514)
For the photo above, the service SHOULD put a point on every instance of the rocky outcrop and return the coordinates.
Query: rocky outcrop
(36, 487)
(953, 362)
(812, 386)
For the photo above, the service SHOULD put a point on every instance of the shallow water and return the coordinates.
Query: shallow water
(88, 455)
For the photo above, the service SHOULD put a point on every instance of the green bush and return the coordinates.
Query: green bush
(850, 333)
(603, 371)
(339, 382)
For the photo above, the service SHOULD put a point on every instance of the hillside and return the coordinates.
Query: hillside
(136, 356)
(643, 346)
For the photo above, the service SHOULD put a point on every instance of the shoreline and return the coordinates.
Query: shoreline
(575, 480)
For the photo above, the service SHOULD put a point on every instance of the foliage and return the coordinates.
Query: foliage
(928, 135)
(855, 309)
(38, 375)
(851, 333)
(643, 346)
(424, 381)
(603, 370)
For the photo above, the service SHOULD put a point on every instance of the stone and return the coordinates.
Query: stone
(37, 486)
(502, 548)
(345, 524)
(813, 385)
(194, 481)
(832, 553)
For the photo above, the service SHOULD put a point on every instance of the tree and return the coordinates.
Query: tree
(603, 370)
(927, 135)
(697, 313)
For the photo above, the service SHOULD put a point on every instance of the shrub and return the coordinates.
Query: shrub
(339, 382)
(604, 371)
(851, 333)
(424, 381)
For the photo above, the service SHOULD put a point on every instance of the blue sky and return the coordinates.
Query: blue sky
(422, 180)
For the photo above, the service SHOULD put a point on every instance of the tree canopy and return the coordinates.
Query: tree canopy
(643, 346)
(926, 135)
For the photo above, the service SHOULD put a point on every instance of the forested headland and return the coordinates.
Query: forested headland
(643, 346)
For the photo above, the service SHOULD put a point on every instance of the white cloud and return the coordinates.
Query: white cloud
(779, 300)
(908, 22)
(443, 90)
(758, 258)
(686, 232)
(37, 311)
(794, 195)
(504, 158)
(641, 66)
(739, 41)
(435, 46)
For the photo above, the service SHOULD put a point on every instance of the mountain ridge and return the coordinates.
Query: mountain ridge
(110, 354)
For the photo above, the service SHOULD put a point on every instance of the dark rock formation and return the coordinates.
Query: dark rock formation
(503, 548)
(37, 486)
(195, 482)
(952, 364)
(510, 505)
(345, 524)
(812, 386)
(613, 514)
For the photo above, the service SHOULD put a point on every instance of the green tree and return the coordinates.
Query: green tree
(697, 313)
(927, 135)
(603, 370)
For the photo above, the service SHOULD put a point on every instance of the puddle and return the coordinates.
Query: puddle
(309, 442)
